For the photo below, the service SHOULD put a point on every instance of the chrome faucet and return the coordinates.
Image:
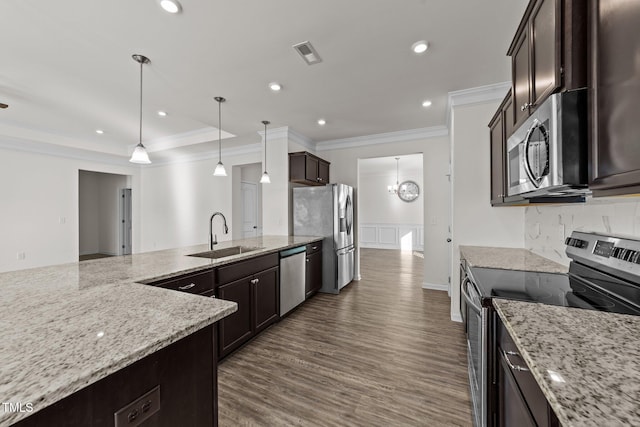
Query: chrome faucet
(214, 240)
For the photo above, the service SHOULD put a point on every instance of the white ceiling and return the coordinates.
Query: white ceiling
(67, 68)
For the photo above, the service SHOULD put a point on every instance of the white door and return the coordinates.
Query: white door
(249, 209)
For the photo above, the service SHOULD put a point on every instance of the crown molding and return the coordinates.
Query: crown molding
(476, 95)
(285, 132)
(184, 139)
(226, 152)
(383, 138)
(49, 149)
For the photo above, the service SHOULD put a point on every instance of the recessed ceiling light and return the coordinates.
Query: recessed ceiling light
(171, 6)
(426, 103)
(420, 47)
(99, 131)
(322, 122)
(162, 113)
(275, 86)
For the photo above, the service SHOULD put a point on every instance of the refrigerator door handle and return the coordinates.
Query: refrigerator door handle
(349, 214)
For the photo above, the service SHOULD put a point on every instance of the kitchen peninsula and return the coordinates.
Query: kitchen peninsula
(93, 326)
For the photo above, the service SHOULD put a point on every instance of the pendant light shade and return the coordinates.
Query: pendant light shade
(265, 176)
(220, 171)
(140, 154)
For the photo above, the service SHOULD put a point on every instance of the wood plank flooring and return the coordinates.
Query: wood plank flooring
(382, 353)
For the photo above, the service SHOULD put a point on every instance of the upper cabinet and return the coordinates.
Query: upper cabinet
(306, 168)
(548, 53)
(615, 97)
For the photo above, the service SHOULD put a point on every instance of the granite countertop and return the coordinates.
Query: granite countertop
(509, 259)
(596, 353)
(67, 326)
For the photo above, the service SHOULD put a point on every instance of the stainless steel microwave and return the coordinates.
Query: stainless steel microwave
(547, 155)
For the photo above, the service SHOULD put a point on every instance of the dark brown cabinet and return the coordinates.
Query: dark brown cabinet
(313, 270)
(254, 285)
(615, 97)
(519, 400)
(185, 372)
(195, 283)
(306, 168)
(548, 53)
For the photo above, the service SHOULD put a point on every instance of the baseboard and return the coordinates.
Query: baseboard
(435, 286)
(456, 317)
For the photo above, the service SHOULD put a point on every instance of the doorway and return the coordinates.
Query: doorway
(249, 209)
(246, 195)
(104, 213)
(387, 220)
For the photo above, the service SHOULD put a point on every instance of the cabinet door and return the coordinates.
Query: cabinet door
(545, 50)
(520, 70)
(512, 409)
(313, 273)
(311, 173)
(497, 159)
(323, 172)
(615, 80)
(236, 328)
(266, 298)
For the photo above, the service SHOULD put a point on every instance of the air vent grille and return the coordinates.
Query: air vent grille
(307, 52)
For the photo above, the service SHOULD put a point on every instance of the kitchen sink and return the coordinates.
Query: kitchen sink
(221, 253)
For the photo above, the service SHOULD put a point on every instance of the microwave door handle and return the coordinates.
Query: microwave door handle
(467, 298)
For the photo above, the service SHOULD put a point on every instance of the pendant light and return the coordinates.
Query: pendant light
(265, 176)
(140, 153)
(393, 189)
(220, 171)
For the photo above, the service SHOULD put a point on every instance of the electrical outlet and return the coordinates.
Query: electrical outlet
(561, 232)
(433, 220)
(21, 255)
(140, 410)
(62, 220)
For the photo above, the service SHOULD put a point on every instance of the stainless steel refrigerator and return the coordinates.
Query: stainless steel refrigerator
(328, 211)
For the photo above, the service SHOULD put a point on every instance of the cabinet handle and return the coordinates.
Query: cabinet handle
(314, 248)
(511, 365)
(189, 286)
(254, 281)
(307, 259)
(524, 106)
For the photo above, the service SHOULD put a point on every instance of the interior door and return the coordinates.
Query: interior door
(249, 209)
(125, 221)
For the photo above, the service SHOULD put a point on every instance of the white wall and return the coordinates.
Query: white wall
(547, 226)
(179, 198)
(275, 196)
(344, 169)
(39, 209)
(474, 221)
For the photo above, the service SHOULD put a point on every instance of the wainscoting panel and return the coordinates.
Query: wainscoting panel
(392, 236)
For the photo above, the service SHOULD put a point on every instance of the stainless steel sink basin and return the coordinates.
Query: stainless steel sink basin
(221, 253)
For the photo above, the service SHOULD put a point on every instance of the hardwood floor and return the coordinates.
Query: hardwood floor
(382, 353)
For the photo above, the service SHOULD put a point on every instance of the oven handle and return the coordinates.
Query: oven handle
(467, 298)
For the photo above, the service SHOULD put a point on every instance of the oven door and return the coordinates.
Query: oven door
(477, 347)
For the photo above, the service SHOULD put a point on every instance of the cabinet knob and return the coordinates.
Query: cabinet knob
(189, 286)
(307, 259)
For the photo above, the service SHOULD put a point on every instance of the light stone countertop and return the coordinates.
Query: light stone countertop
(596, 353)
(509, 259)
(67, 326)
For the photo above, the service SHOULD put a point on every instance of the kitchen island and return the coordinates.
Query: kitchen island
(587, 363)
(69, 326)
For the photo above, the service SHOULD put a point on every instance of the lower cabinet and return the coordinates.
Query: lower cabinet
(255, 286)
(519, 400)
(185, 373)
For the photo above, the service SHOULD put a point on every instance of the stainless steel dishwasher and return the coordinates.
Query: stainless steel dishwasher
(292, 278)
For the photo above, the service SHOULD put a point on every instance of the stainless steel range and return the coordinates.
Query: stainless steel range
(604, 275)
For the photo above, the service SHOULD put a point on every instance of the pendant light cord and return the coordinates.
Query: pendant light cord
(397, 170)
(140, 134)
(219, 132)
(265, 146)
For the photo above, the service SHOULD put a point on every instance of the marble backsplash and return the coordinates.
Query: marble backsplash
(546, 226)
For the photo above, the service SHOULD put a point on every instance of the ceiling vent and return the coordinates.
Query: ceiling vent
(307, 52)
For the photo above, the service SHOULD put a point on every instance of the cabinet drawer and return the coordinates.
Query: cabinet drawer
(196, 283)
(238, 270)
(314, 247)
(535, 400)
